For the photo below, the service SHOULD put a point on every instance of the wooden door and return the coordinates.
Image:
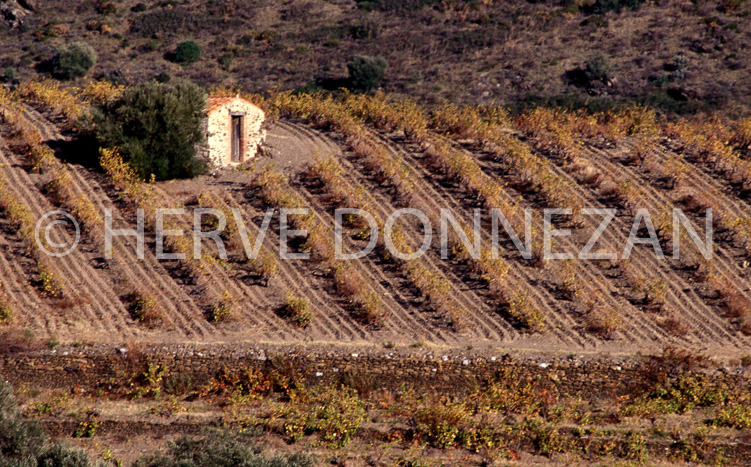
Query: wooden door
(236, 132)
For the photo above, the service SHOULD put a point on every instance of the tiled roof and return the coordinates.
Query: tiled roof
(217, 102)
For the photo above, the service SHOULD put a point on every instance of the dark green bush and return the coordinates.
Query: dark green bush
(365, 30)
(597, 68)
(225, 62)
(24, 442)
(9, 74)
(62, 456)
(73, 60)
(163, 77)
(20, 440)
(157, 126)
(139, 8)
(188, 52)
(366, 72)
(219, 450)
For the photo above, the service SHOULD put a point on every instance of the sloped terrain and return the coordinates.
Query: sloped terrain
(641, 304)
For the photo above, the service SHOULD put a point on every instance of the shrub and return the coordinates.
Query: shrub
(145, 309)
(6, 312)
(48, 283)
(604, 321)
(24, 442)
(163, 77)
(521, 308)
(9, 74)
(298, 309)
(347, 280)
(218, 449)
(225, 62)
(265, 265)
(441, 422)
(139, 8)
(157, 127)
(597, 68)
(187, 52)
(370, 308)
(366, 72)
(678, 67)
(106, 8)
(335, 412)
(73, 61)
(222, 309)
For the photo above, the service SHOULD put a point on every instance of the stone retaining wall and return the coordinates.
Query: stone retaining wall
(374, 371)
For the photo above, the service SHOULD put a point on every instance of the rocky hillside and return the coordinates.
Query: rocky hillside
(681, 55)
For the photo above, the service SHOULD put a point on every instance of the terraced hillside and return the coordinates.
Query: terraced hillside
(381, 156)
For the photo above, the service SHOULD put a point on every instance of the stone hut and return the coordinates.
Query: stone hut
(233, 129)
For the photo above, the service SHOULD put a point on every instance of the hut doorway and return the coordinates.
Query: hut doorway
(237, 125)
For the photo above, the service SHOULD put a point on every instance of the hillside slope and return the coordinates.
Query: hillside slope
(678, 54)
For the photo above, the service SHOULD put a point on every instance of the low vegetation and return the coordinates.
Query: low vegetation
(73, 60)
(145, 309)
(297, 309)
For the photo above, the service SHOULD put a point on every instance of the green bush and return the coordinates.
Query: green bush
(225, 62)
(157, 127)
(9, 74)
(24, 442)
(62, 456)
(188, 52)
(366, 72)
(597, 68)
(219, 450)
(163, 77)
(73, 60)
(365, 30)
